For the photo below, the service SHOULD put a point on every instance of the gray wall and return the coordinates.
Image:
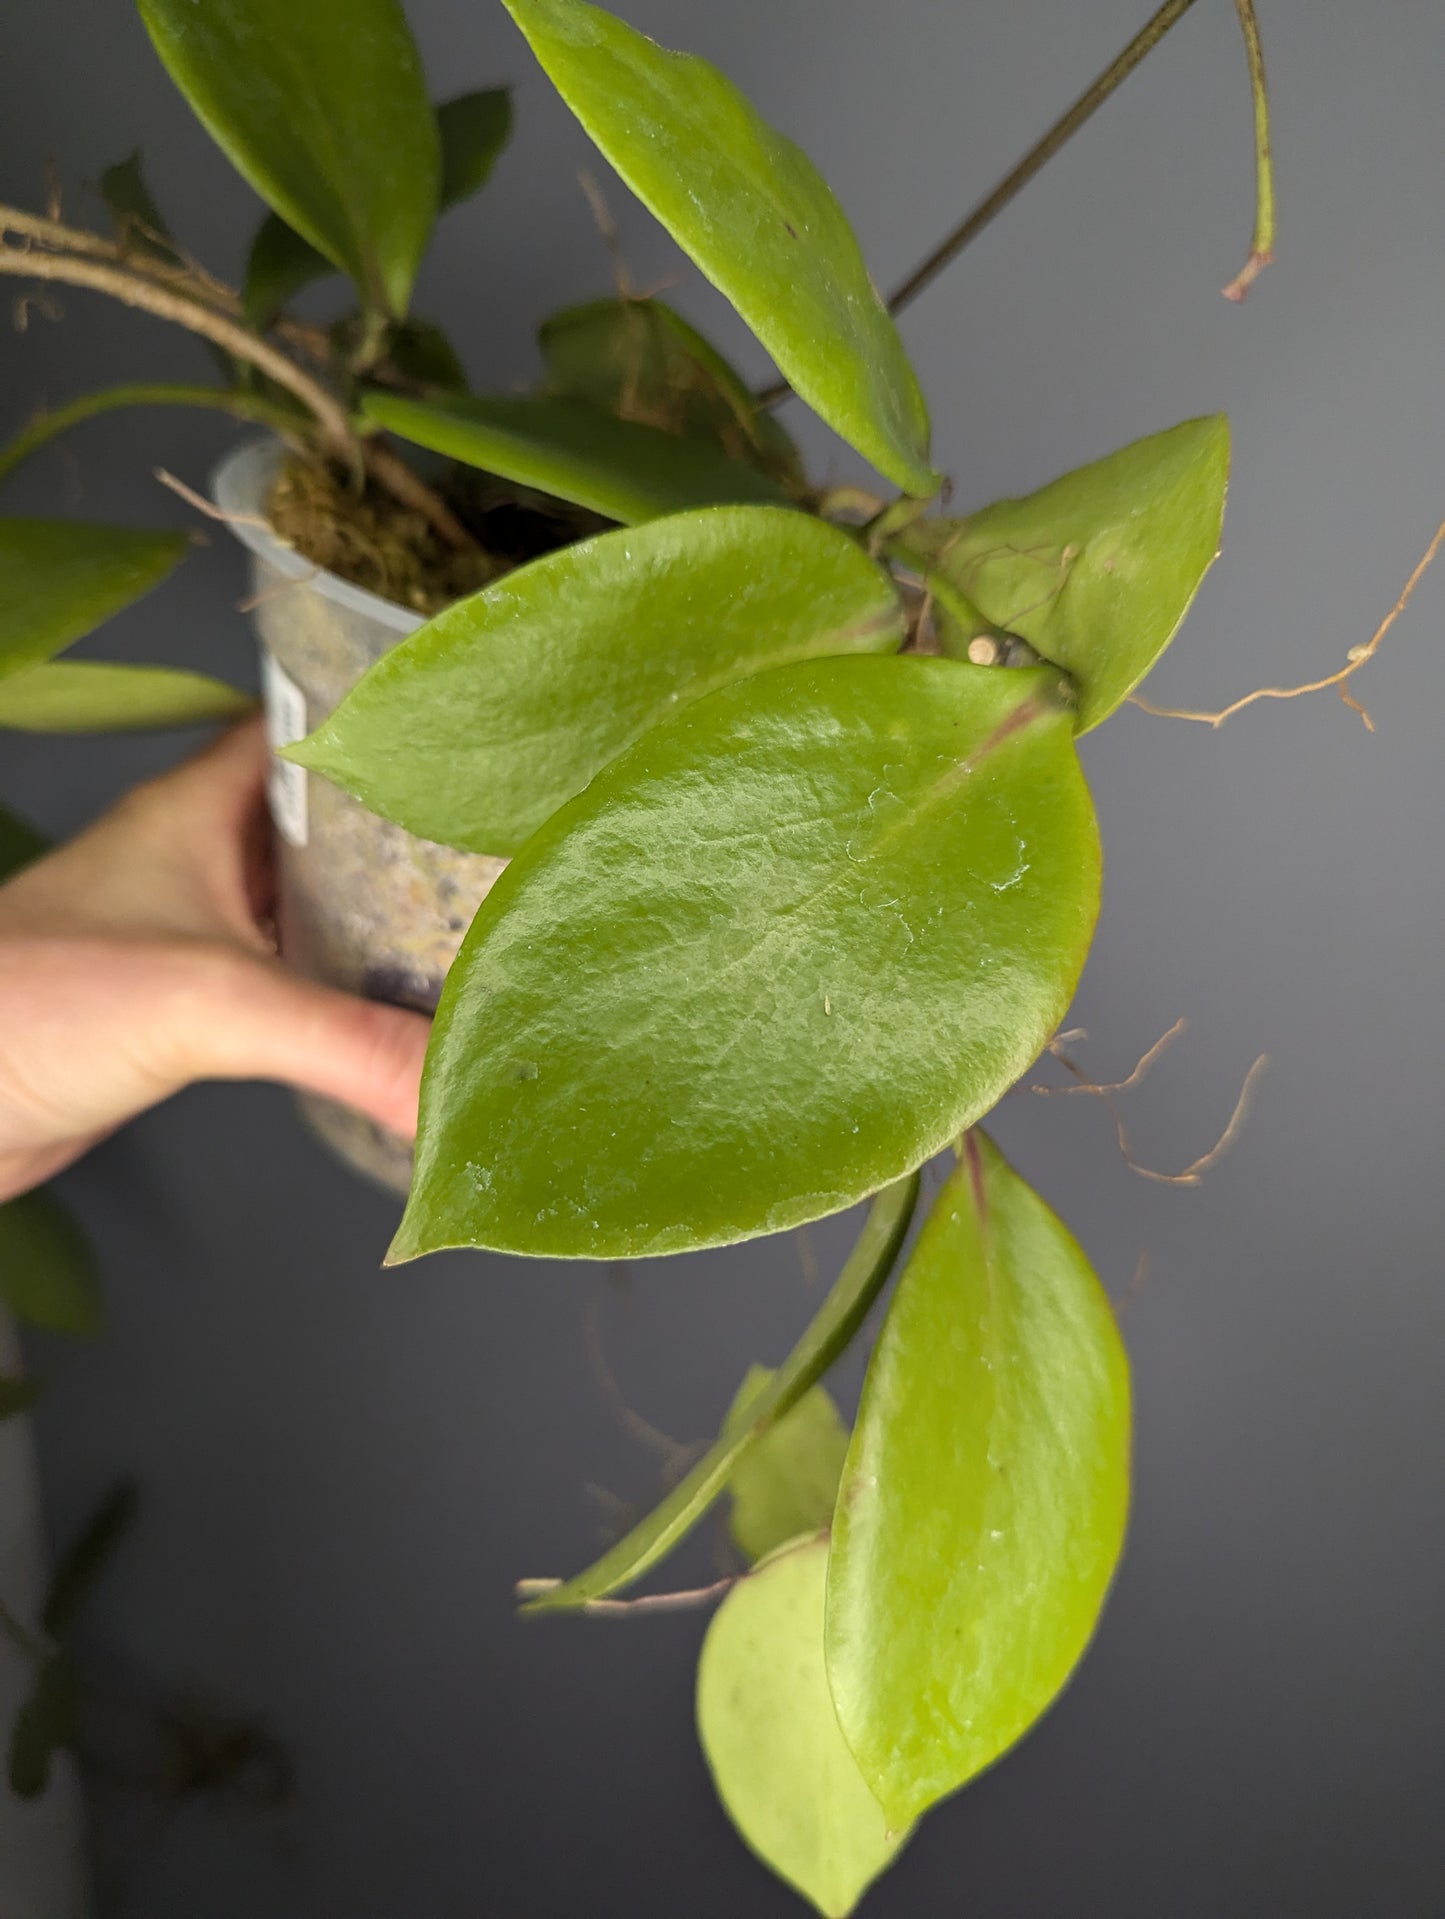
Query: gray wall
(344, 1469)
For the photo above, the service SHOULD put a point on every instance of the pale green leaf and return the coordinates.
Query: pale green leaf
(1097, 570)
(473, 128)
(983, 1504)
(324, 110)
(47, 1272)
(70, 696)
(771, 1737)
(778, 953)
(753, 212)
(575, 452)
(643, 362)
(788, 1482)
(61, 578)
(476, 728)
(827, 1335)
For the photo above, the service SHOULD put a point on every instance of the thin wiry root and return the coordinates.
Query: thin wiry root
(208, 508)
(685, 1601)
(675, 1457)
(1084, 1085)
(1357, 657)
(276, 589)
(1193, 1173)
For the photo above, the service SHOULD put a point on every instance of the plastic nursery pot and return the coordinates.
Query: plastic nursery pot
(360, 904)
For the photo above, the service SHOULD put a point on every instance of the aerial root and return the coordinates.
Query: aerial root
(1357, 657)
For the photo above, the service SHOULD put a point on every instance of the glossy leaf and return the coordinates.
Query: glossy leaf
(20, 843)
(17, 1394)
(473, 129)
(578, 453)
(475, 729)
(1098, 569)
(87, 1558)
(771, 1737)
(139, 224)
(47, 1274)
(325, 112)
(827, 1336)
(69, 696)
(753, 212)
(643, 362)
(779, 952)
(787, 1483)
(47, 1723)
(61, 578)
(278, 266)
(983, 1504)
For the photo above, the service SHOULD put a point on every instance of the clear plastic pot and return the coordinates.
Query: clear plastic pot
(361, 904)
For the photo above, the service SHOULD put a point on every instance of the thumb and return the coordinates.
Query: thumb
(259, 1021)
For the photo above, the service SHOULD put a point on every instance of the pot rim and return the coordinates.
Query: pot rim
(239, 485)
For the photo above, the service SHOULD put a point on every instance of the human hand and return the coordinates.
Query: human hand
(133, 961)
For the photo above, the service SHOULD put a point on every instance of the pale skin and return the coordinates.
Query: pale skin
(138, 958)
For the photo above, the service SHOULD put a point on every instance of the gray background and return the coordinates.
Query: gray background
(344, 1469)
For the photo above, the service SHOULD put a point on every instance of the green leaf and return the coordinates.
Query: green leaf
(325, 112)
(575, 452)
(139, 224)
(473, 128)
(788, 1483)
(827, 1336)
(59, 579)
(424, 353)
(47, 1273)
(476, 728)
(18, 1394)
(771, 1737)
(92, 697)
(87, 1558)
(278, 266)
(778, 953)
(1097, 570)
(20, 843)
(983, 1504)
(46, 1723)
(640, 360)
(753, 212)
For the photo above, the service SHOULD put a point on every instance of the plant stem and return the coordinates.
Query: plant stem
(133, 290)
(1261, 250)
(48, 425)
(180, 272)
(1039, 155)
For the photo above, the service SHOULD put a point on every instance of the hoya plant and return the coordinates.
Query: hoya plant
(788, 863)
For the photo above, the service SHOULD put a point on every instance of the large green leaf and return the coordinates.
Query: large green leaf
(325, 112)
(1098, 569)
(771, 1737)
(787, 1483)
(70, 696)
(983, 1504)
(779, 952)
(61, 578)
(642, 361)
(47, 1273)
(20, 843)
(475, 729)
(753, 212)
(473, 128)
(829, 1332)
(576, 452)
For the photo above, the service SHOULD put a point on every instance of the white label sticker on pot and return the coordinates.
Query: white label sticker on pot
(285, 724)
